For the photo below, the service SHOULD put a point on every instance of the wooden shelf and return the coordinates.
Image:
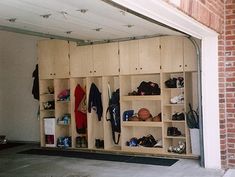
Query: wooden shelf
(141, 124)
(142, 98)
(180, 104)
(47, 110)
(152, 150)
(175, 137)
(171, 89)
(174, 121)
(62, 101)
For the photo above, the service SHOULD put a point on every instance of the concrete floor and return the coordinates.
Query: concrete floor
(21, 165)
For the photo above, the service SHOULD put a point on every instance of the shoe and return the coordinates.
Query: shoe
(178, 116)
(171, 83)
(180, 82)
(179, 149)
(159, 144)
(177, 99)
(83, 142)
(173, 131)
(157, 118)
(79, 142)
(97, 143)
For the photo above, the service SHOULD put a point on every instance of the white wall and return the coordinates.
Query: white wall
(18, 112)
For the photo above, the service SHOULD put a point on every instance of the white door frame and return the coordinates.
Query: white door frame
(167, 14)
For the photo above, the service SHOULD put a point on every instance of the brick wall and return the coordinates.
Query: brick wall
(220, 16)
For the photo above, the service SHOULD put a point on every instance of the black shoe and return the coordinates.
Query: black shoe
(97, 143)
(178, 116)
(79, 142)
(83, 142)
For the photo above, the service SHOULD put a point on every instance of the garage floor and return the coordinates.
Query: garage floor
(20, 165)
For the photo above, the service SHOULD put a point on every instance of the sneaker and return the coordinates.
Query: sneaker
(177, 99)
(158, 144)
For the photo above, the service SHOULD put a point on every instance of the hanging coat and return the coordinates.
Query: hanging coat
(35, 89)
(80, 115)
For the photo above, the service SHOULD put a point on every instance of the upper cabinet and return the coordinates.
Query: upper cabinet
(94, 60)
(172, 54)
(190, 56)
(129, 57)
(178, 54)
(140, 56)
(149, 55)
(53, 58)
(81, 64)
(106, 59)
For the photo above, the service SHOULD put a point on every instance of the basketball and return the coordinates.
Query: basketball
(144, 114)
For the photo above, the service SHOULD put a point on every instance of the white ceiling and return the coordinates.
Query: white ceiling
(65, 16)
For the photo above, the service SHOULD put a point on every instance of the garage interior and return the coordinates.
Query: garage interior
(83, 23)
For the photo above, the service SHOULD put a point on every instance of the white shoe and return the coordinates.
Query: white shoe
(177, 99)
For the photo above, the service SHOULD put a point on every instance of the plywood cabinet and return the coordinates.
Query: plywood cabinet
(106, 59)
(80, 60)
(120, 65)
(190, 56)
(129, 57)
(94, 60)
(149, 55)
(140, 56)
(172, 54)
(46, 59)
(53, 58)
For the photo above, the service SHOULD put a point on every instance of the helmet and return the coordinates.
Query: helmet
(133, 142)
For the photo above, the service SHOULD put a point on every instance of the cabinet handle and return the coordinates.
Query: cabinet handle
(186, 65)
(135, 68)
(51, 74)
(90, 71)
(94, 71)
(141, 68)
(180, 65)
(54, 74)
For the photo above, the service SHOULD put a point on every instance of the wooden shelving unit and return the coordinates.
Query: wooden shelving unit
(121, 65)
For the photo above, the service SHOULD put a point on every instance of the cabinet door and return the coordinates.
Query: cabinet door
(190, 56)
(99, 55)
(61, 58)
(80, 60)
(111, 61)
(129, 57)
(46, 59)
(149, 55)
(172, 54)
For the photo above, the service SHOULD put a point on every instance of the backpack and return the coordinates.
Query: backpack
(114, 112)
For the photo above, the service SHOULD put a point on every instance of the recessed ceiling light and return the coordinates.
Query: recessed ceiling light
(11, 20)
(45, 15)
(97, 29)
(122, 12)
(68, 32)
(83, 10)
(129, 26)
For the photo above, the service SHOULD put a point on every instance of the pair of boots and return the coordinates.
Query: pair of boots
(81, 142)
(99, 143)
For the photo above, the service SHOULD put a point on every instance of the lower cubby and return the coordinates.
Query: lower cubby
(142, 139)
(175, 145)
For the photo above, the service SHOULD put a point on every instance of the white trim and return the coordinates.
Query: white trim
(210, 102)
(165, 13)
